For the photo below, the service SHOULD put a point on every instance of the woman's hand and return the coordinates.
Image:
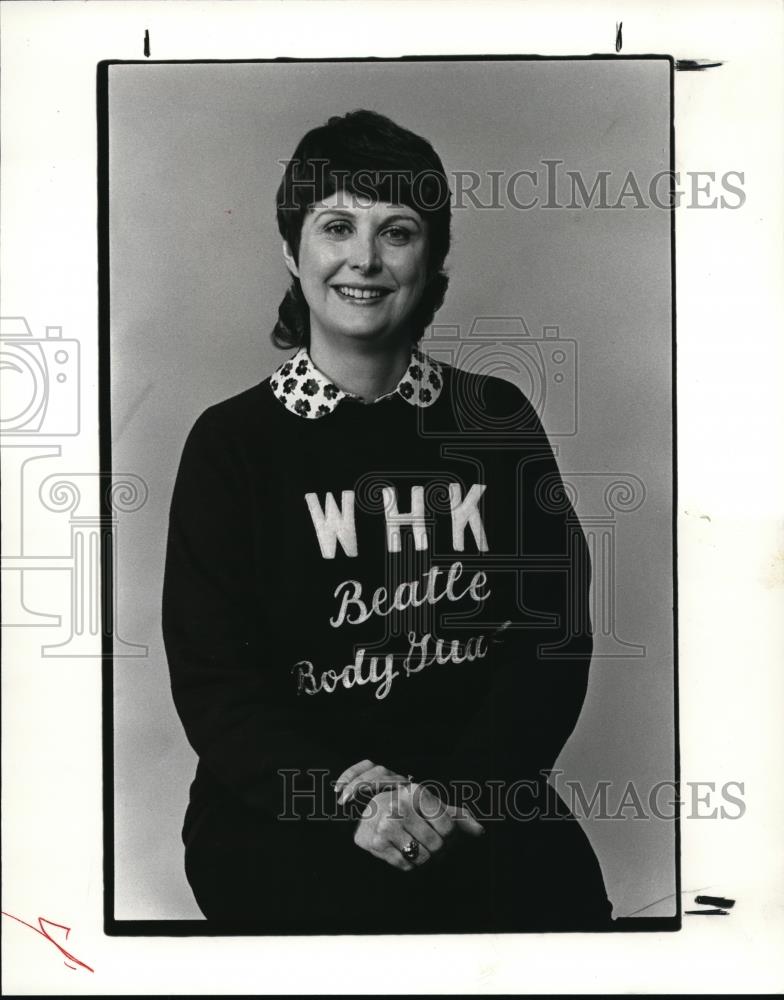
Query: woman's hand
(410, 813)
(365, 779)
(401, 811)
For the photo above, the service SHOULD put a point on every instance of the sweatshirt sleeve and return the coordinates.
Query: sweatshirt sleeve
(540, 662)
(235, 720)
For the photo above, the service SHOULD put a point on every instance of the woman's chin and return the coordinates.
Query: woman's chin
(368, 334)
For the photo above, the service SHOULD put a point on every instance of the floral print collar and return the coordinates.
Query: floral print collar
(304, 390)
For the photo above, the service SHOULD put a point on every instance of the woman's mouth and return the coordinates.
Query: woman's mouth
(361, 296)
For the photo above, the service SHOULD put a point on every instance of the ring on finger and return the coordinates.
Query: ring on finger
(410, 850)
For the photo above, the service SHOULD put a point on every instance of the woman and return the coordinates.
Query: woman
(375, 593)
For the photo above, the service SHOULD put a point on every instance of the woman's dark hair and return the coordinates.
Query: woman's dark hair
(363, 153)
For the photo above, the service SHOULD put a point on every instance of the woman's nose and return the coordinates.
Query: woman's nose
(364, 256)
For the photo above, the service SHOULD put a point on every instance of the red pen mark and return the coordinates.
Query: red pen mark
(40, 929)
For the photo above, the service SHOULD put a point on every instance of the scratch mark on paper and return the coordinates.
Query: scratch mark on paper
(696, 65)
(40, 929)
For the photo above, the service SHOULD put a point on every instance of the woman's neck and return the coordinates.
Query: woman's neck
(364, 370)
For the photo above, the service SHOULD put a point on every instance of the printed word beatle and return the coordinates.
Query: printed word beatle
(410, 594)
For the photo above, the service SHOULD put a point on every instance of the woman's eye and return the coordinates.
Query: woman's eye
(398, 234)
(337, 228)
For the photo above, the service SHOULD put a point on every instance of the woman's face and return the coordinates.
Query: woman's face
(362, 267)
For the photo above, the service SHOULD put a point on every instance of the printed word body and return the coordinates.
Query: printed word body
(381, 670)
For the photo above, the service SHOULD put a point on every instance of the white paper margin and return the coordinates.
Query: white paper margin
(729, 267)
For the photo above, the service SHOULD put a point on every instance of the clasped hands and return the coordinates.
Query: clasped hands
(400, 811)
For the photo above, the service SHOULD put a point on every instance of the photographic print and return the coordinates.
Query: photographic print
(395, 636)
(391, 556)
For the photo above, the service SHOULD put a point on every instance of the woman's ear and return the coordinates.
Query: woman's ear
(288, 257)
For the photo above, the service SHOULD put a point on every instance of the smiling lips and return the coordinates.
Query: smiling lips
(363, 294)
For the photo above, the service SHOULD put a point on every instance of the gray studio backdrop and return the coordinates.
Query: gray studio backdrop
(196, 278)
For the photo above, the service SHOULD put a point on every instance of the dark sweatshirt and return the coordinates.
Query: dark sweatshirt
(403, 581)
